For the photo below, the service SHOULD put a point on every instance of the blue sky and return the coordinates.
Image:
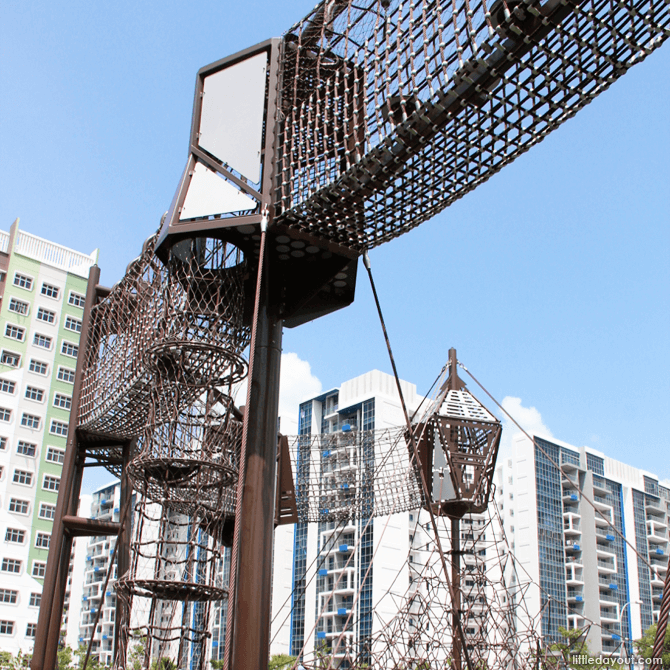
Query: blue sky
(551, 280)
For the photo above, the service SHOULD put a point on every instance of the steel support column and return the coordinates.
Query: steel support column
(55, 578)
(249, 597)
(456, 585)
(123, 539)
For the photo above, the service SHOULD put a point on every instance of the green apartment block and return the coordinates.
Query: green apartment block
(42, 290)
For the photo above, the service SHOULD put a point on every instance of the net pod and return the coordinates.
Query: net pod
(191, 463)
(175, 575)
(458, 441)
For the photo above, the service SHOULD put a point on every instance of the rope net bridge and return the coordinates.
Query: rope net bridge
(365, 119)
(392, 110)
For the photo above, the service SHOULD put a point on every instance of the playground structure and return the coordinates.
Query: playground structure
(363, 121)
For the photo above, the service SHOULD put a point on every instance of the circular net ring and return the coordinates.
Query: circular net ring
(164, 589)
(195, 364)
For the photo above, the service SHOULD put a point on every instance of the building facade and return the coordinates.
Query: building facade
(582, 558)
(42, 288)
(331, 561)
(105, 505)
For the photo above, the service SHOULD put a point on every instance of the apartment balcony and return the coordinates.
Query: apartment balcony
(571, 469)
(607, 566)
(572, 546)
(574, 578)
(575, 595)
(604, 521)
(609, 614)
(608, 583)
(605, 534)
(656, 579)
(604, 551)
(655, 506)
(575, 620)
(657, 531)
(602, 504)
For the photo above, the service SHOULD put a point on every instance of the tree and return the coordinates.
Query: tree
(281, 662)
(572, 652)
(645, 645)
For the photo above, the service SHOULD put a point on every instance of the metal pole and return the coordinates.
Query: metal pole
(456, 586)
(249, 596)
(53, 591)
(123, 540)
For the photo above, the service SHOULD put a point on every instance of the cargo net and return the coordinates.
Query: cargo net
(167, 329)
(383, 601)
(394, 109)
(351, 473)
(174, 584)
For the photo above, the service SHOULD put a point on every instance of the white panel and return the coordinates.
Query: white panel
(231, 122)
(209, 194)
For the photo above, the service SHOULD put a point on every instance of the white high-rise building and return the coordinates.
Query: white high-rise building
(582, 559)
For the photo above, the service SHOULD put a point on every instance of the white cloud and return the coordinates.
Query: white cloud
(296, 383)
(529, 418)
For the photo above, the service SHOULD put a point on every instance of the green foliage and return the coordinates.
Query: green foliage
(65, 659)
(281, 662)
(572, 652)
(645, 645)
(217, 664)
(164, 664)
(8, 660)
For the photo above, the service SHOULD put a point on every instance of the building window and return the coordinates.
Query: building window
(18, 306)
(76, 299)
(39, 569)
(55, 455)
(30, 421)
(18, 506)
(42, 540)
(26, 448)
(15, 535)
(46, 315)
(6, 627)
(50, 291)
(62, 401)
(38, 367)
(58, 428)
(50, 483)
(10, 358)
(15, 332)
(31, 630)
(73, 324)
(42, 341)
(7, 387)
(3, 443)
(11, 565)
(66, 375)
(23, 281)
(69, 349)
(23, 477)
(47, 511)
(33, 393)
(8, 596)
(35, 600)
(5, 414)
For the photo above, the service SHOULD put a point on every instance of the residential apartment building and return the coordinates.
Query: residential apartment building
(96, 603)
(330, 561)
(42, 288)
(599, 567)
